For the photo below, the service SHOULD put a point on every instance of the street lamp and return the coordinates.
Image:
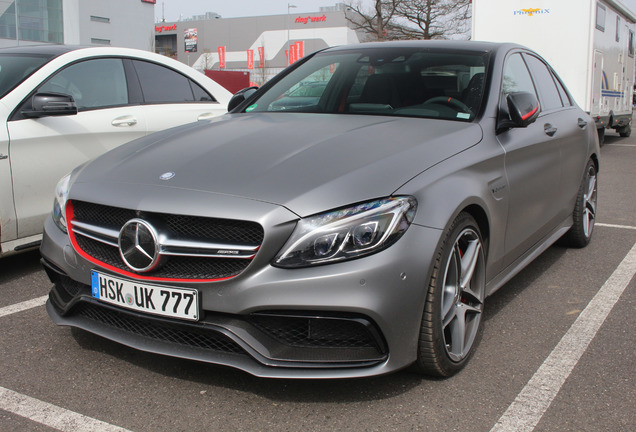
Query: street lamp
(289, 6)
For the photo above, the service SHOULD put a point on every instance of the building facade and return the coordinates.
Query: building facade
(125, 23)
(261, 45)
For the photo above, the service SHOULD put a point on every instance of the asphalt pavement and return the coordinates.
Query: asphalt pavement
(557, 353)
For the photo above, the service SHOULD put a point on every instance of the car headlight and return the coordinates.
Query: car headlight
(347, 233)
(59, 203)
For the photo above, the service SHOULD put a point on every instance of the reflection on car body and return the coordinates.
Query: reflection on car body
(423, 178)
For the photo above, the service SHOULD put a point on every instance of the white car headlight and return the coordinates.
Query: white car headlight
(59, 203)
(347, 233)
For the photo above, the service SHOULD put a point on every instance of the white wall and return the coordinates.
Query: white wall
(131, 23)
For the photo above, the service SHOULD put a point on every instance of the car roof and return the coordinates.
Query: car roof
(432, 44)
(47, 50)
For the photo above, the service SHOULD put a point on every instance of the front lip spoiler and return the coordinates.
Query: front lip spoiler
(252, 363)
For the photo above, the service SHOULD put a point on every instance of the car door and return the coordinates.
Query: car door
(568, 132)
(44, 149)
(532, 168)
(171, 98)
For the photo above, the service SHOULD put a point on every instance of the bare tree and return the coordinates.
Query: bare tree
(433, 19)
(412, 19)
(378, 22)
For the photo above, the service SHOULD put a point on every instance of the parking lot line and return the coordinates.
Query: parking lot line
(616, 226)
(535, 398)
(19, 307)
(52, 415)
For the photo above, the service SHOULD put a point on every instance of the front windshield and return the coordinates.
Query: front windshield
(15, 68)
(411, 82)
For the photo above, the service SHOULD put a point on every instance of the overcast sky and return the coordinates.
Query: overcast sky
(240, 8)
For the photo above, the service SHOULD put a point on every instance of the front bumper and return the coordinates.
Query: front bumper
(352, 319)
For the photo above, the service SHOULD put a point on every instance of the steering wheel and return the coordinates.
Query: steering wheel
(451, 102)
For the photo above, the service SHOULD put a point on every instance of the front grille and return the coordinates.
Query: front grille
(206, 339)
(319, 332)
(196, 263)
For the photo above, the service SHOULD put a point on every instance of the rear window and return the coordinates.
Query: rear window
(15, 68)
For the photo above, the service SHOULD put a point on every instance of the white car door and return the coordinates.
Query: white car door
(172, 99)
(44, 149)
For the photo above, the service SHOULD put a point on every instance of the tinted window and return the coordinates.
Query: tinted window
(162, 85)
(94, 83)
(548, 93)
(200, 95)
(410, 82)
(16, 68)
(564, 96)
(516, 76)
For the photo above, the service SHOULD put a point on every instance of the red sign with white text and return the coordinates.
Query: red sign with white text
(299, 47)
(261, 57)
(221, 50)
(250, 59)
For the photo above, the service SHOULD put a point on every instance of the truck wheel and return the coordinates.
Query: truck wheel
(625, 131)
(601, 135)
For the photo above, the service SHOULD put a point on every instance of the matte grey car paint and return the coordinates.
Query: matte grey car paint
(273, 169)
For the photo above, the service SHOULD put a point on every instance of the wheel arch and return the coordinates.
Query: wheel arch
(483, 223)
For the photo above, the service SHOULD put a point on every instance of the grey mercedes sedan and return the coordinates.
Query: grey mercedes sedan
(353, 236)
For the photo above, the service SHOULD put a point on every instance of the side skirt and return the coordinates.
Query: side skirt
(520, 263)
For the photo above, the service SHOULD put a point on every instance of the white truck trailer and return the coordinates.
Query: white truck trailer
(590, 44)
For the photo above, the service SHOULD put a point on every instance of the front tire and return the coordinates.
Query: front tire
(584, 215)
(455, 301)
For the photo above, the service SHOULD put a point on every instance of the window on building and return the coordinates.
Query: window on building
(37, 20)
(162, 85)
(100, 19)
(600, 17)
(98, 41)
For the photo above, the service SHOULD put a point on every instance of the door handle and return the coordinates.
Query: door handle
(549, 129)
(124, 121)
(582, 123)
(2, 156)
(205, 116)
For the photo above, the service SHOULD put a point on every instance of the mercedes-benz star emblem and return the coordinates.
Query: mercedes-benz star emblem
(138, 245)
(167, 176)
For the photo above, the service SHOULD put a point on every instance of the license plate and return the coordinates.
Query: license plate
(182, 303)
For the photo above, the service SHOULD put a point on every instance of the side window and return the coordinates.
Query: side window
(162, 85)
(97, 83)
(516, 76)
(564, 95)
(548, 93)
(630, 46)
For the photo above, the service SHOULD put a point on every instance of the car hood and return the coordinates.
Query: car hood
(307, 163)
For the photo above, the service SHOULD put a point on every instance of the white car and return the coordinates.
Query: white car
(61, 106)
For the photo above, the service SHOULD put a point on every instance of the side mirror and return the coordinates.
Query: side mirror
(240, 97)
(50, 104)
(523, 108)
